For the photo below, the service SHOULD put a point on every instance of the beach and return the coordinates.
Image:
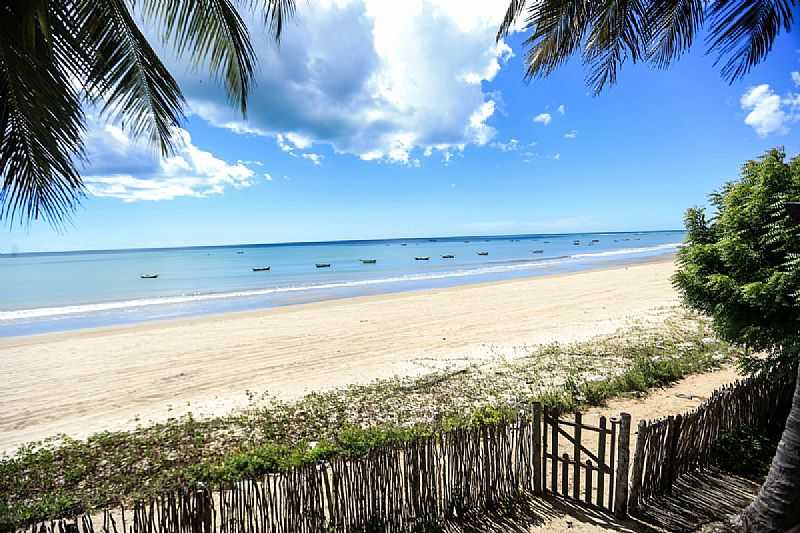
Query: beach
(85, 381)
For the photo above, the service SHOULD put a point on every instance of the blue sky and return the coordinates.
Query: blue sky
(369, 123)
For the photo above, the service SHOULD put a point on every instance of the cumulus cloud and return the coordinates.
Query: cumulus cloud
(571, 134)
(371, 78)
(267, 176)
(768, 111)
(511, 146)
(562, 109)
(796, 78)
(131, 171)
(543, 118)
(314, 158)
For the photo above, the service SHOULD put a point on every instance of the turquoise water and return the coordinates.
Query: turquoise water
(63, 291)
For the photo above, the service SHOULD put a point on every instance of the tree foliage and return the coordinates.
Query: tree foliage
(608, 33)
(58, 55)
(742, 265)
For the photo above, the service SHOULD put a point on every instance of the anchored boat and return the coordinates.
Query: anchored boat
(149, 276)
(261, 269)
(448, 257)
(369, 261)
(423, 258)
(483, 253)
(323, 265)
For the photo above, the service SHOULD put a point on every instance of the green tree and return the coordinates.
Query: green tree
(742, 268)
(57, 55)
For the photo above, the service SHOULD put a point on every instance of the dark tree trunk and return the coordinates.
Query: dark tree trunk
(777, 506)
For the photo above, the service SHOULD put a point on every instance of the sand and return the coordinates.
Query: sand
(114, 378)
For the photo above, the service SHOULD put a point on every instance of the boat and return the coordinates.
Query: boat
(239, 253)
(149, 276)
(595, 240)
(483, 253)
(369, 261)
(404, 244)
(576, 243)
(546, 242)
(323, 265)
(448, 257)
(261, 269)
(422, 258)
(537, 251)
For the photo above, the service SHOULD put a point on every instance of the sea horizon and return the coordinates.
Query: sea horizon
(78, 289)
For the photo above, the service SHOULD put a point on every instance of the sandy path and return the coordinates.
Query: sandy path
(82, 382)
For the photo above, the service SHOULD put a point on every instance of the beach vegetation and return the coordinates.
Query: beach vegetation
(62, 476)
(741, 267)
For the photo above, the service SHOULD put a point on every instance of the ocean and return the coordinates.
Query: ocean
(48, 292)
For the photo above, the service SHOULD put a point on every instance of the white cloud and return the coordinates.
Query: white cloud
(768, 112)
(543, 118)
(571, 134)
(510, 146)
(557, 157)
(371, 78)
(121, 168)
(314, 158)
(562, 109)
(267, 176)
(796, 78)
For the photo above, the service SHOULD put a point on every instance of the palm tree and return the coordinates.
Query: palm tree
(57, 56)
(607, 34)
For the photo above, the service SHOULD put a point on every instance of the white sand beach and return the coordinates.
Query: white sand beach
(113, 378)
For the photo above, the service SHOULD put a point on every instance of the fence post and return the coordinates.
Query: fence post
(623, 463)
(674, 433)
(537, 448)
(638, 466)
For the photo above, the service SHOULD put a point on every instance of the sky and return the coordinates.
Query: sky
(377, 119)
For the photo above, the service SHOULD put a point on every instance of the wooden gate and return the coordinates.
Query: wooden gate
(583, 462)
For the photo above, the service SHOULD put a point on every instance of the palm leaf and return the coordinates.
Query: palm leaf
(618, 33)
(744, 32)
(673, 25)
(127, 77)
(212, 33)
(41, 121)
(558, 30)
(515, 8)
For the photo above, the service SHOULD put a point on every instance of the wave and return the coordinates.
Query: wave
(508, 266)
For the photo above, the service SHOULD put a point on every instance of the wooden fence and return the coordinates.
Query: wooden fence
(672, 446)
(410, 486)
(396, 488)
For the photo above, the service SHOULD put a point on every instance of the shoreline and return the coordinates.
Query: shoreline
(9, 340)
(84, 381)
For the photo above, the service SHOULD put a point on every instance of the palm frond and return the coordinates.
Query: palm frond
(127, 77)
(276, 13)
(558, 30)
(618, 32)
(212, 33)
(673, 25)
(515, 8)
(744, 32)
(41, 120)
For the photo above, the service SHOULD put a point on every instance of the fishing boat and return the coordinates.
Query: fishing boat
(537, 251)
(369, 261)
(547, 242)
(576, 243)
(261, 269)
(448, 257)
(239, 253)
(323, 265)
(422, 258)
(149, 276)
(595, 240)
(483, 253)
(403, 244)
